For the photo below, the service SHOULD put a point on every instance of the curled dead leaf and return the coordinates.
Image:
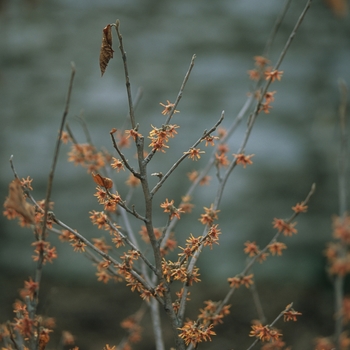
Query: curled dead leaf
(106, 52)
(16, 201)
(102, 181)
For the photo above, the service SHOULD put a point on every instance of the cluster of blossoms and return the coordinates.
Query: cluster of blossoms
(87, 156)
(263, 70)
(195, 333)
(160, 136)
(269, 334)
(127, 267)
(33, 330)
(338, 252)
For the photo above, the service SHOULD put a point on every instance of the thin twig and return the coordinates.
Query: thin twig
(126, 72)
(179, 96)
(125, 161)
(57, 148)
(275, 28)
(253, 117)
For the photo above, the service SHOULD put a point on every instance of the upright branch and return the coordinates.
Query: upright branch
(57, 148)
(256, 111)
(179, 96)
(42, 234)
(126, 71)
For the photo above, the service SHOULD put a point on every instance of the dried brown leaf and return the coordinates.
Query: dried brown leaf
(102, 181)
(17, 201)
(106, 52)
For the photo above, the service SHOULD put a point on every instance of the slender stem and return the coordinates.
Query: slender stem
(179, 96)
(126, 72)
(276, 27)
(42, 235)
(58, 143)
(157, 324)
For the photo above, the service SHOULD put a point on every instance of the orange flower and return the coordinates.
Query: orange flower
(117, 164)
(108, 347)
(193, 175)
(282, 226)
(170, 208)
(273, 75)
(264, 333)
(265, 107)
(254, 74)
(341, 228)
(195, 333)
(27, 183)
(65, 137)
(237, 281)
(300, 208)
(132, 181)
(251, 248)
(269, 96)
(209, 216)
(100, 244)
(133, 133)
(185, 205)
(291, 315)
(78, 245)
(168, 107)
(221, 160)
(30, 288)
(261, 61)
(194, 153)
(209, 139)
(243, 159)
(276, 248)
(123, 140)
(212, 236)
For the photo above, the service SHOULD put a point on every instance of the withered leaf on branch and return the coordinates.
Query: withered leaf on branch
(16, 201)
(106, 52)
(102, 181)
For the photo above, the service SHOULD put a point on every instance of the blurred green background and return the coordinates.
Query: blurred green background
(295, 145)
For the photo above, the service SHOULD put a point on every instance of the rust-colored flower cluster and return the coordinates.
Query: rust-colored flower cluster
(28, 330)
(177, 271)
(270, 334)
(241, 280)
(243, 159)
(195, 333)
(87, 156)
(338, 251)
(109, 200)
(168, 107)
(213, 312)
(171, 209)
(210, 214)
(160, 137)
(261, 71)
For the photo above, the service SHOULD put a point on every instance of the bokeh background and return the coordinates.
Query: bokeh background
(295, 145)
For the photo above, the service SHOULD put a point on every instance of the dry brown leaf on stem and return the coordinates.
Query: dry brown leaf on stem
(102, 181)
(106, 52)
(16, 201)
